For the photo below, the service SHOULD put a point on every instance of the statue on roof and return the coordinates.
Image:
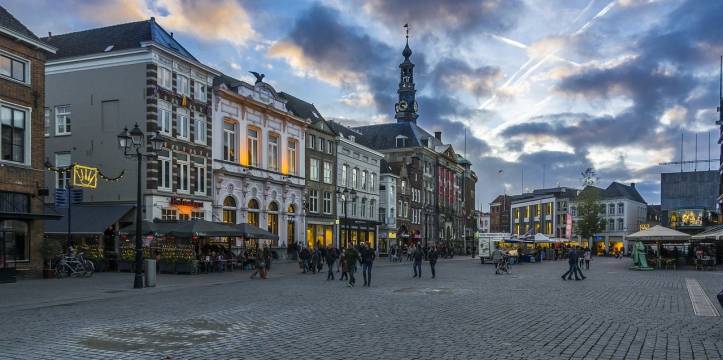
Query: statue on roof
(259, 77)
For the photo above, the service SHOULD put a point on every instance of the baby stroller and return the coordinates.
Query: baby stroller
(503, 266)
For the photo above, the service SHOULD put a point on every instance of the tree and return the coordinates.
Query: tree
(588, 207)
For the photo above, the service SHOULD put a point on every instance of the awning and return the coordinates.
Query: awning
(253, 232)
(659, 233)
(29, 216)
(713, 233)
(87, 219)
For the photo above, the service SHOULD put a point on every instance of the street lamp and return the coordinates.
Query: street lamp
(345, 196)
(132, 143)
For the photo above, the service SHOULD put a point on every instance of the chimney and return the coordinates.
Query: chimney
(171, 34)
(632, 185)
(153, 18)
(438, 135)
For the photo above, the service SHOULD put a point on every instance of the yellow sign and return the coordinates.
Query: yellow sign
(85, 176)
(644, 227)
(392, 235)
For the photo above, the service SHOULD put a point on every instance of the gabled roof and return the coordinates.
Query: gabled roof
(383, 136)
(120, 37)
(9, 24)
(616, 190)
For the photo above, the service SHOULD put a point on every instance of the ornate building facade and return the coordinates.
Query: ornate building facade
(258, 157)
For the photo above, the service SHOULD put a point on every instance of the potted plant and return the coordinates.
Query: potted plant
(49, 249)
(127, 256)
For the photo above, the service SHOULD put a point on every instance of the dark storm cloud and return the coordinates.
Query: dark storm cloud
(455, 18)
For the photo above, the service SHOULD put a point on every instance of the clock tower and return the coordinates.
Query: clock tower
(406, 107)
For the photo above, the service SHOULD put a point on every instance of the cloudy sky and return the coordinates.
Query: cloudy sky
(544, 87)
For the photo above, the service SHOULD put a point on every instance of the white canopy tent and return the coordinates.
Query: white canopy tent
(659, 235)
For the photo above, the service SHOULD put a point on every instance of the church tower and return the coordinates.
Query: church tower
(406, 107)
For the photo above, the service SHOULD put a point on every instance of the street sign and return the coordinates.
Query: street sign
(85, 176)
(61, 198)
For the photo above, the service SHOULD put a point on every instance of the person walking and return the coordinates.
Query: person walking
(572, 261)
(259, 266)
(344, 267)
(314, 259)
(330, 259)
(417, 256)
(304, 255)
(352, 257)
(587, 258)
(367, 259)
(267, 259)
(432, 258)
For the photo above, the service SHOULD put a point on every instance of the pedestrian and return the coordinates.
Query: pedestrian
(432, 258)
(344, 267)
(417, 256)
(367, 259)
(352, 257)
(267, 259)
(330, 259)
(259, 266)
(305, 255)
(314, 259)
(572, 261)
(587, 258)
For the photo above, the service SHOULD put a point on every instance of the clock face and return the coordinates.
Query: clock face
(403, 105)
(416, 106)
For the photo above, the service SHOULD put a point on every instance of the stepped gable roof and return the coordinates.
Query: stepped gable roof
(114, 38)
(301, 108)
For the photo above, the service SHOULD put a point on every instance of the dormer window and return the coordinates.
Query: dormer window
(401, 141)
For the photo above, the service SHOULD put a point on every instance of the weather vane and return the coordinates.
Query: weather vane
(406, 27)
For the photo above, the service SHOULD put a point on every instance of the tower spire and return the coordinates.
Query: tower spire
(406, 108)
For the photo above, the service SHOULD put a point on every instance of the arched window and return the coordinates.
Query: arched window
(273, 218)
(291, 209)
(363, 207)
(253, 212)
(229, 210)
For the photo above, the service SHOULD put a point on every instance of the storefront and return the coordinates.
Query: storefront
(319, 235)
(354, 232)
(387, 239)
(615, 245)
(177, 208)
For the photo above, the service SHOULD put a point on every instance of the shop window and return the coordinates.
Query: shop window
(169, 214)
(14, 241)
(253, 212)
(197, 215)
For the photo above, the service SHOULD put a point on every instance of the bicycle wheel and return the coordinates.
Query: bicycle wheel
(61, 271)
(89, 268)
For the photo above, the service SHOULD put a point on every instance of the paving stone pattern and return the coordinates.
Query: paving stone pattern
(466, 313)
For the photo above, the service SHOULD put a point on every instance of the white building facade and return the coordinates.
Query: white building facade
(258, 157)
(387, 208)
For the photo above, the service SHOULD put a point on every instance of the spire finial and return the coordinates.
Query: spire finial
(406, 27)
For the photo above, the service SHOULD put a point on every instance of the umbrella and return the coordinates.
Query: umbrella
(254, 232)
(202, 228)
(147, 227)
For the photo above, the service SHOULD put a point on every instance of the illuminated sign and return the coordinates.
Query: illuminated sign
(85, 176)
(186, 202)
(644, 227)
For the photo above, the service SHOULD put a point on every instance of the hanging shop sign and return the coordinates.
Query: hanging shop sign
(186, 202)
(85, 176)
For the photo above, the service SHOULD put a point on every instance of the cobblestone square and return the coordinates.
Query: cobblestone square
(467, 312)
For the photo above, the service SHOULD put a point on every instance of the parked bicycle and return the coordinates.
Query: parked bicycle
(503, 265)
(74, 266)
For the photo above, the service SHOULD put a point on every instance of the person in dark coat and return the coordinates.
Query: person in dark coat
(305, 256)
(417, 256)
(330, 259)
(344, 267)
(432, 256)
(367, 259)
(352, 257)
(572, 261)
(314, 259)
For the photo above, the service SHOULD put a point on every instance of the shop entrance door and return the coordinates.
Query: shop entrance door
(8, 256)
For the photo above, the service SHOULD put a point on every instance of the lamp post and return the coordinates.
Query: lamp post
(345, 196)
(132, 143)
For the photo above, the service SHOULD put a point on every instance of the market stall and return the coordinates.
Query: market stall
(708, 248)
(661, 237)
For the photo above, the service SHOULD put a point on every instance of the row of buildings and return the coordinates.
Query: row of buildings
(233, 151)
(688, 204)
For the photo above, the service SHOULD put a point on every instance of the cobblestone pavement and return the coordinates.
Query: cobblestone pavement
(466, 313)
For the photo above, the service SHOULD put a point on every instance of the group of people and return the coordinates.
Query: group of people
(575, 261)
(346, 261)
(399, 253)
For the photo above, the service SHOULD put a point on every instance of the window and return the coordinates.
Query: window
(229, 142)
(329, 147)
(621, 209)
(199, 91)
(164, 117)
(291, 150)
(253, 212)
(322, 145)
(62, 179)
(620, 224)
(46, 122)
(252, 141)
(183, 124)
(62, 120)
(404, 187)
(166, 174)
(274, 152)
(364, 180)
(311, 141)
(200, 178)
(313, 201)
(372, 180)
(13, 68)
(327, 172)
(272, 218)
(182, 86)
(197, 215)
(314, 169)
(353, 207)
(199, 128)
(169, 214)
(229, 210)
(401, 141)
(372, 204)
(353, 177)
(14, 134)
(343, 174)
(184, 173)
(164, 78)
(327, 202)
(611, 209)
(363, 208)
(184, 217)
